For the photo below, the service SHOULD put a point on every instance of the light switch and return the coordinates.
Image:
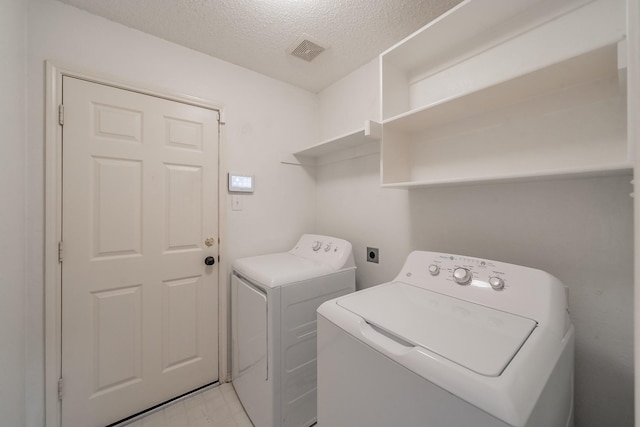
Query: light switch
(236, 203)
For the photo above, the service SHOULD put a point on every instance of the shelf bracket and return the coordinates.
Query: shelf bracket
(372, 129)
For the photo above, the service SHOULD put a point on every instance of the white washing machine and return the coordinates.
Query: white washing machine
(274, 302)
(452, 341)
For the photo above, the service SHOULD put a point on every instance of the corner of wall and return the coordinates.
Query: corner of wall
(13, 229)
(346, 104)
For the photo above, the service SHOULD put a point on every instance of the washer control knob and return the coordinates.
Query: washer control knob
(327, 247)
(434, 269)
(462, 276)
(316, 245)
(497, 283)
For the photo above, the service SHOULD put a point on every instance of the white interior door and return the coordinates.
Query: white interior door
(139, 305)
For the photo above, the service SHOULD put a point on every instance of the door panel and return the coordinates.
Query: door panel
(117, 207)
(117, 344)
(140, 309)
(184, 213)
(180, 342)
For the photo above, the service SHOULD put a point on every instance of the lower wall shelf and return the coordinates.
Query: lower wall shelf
(371, 132)
(610, 170)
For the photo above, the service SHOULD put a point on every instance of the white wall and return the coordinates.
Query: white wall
(12, 212)
(579, 230)
(633, 16)
(266, 120)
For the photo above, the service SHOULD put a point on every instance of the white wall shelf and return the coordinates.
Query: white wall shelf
(524, 90)
(371, 132)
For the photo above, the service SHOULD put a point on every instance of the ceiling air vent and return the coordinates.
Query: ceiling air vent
(307, 48)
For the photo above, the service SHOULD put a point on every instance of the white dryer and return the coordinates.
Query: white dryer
(274, 302)
(452, 341)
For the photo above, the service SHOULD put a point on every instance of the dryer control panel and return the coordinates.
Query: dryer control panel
(525, 291)
(332, 251)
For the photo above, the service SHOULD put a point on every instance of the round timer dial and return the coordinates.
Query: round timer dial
(462, 276)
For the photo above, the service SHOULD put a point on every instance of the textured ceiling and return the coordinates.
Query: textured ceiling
(256, 33)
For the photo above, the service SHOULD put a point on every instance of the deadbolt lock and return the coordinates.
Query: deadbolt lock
(210, 241)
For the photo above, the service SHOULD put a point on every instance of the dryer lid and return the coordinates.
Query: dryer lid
(476, 337)
(279, 269)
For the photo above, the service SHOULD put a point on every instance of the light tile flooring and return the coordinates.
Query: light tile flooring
(215, 407)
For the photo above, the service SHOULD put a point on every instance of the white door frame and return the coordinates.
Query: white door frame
(53, 225)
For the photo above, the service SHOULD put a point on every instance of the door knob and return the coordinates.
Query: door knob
(209, 260)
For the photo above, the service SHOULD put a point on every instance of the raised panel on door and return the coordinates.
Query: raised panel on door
(180, 335)
(116, 207)
(183, 134)
(140, 308)
(183, 209)
(117, 122)
(116, 333)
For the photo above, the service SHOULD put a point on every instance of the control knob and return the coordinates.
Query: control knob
(497, 283)
(434, 269)
(462, 276)
(316, 245)
(327, 247)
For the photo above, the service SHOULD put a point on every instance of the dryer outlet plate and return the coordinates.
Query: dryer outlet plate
(372, 255)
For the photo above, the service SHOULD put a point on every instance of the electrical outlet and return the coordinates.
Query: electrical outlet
(372, 255)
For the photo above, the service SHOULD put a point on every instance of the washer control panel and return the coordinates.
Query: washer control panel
(515, 289)
(465, 271)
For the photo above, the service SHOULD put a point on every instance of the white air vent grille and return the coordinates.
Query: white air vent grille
(306, 48)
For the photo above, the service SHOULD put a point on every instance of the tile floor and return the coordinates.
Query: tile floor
(215, 407)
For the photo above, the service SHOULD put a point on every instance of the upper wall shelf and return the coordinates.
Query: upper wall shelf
(480, 44)
(574, 71)
(507, 89)
(371, 132)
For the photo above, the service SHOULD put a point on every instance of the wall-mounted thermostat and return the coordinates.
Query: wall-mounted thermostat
(240, 183)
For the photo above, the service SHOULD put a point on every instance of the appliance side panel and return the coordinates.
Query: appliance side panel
(299, 332)
(559, 388)
(250, 349)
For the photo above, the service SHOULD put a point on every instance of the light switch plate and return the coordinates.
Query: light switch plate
(236, 203)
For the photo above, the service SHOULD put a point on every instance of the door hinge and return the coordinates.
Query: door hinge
(61, 115)
(60, 251)
(60, 388)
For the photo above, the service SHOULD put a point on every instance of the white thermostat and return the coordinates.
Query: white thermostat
(240, 183)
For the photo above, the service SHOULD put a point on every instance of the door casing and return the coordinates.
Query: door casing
(53, 224)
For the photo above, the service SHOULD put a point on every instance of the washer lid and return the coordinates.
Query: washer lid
(476, 337)
(279, 269)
